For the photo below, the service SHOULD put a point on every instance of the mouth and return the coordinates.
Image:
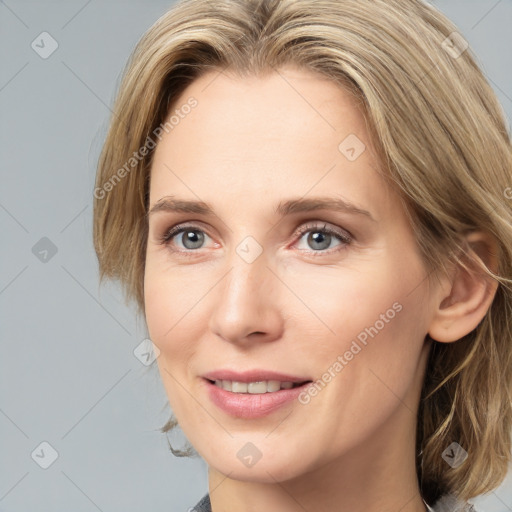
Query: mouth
(256, 387)
(252, 399)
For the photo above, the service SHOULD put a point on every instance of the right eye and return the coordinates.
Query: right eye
(192, 237)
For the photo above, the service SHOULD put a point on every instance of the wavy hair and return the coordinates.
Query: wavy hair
(440, 134)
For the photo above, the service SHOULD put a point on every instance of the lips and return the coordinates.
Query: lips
(251, 404)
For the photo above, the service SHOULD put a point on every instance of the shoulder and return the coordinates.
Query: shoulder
(449, 503)
(203, 505)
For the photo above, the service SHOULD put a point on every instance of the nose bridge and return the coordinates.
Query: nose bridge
(245, 286)
(246, 302)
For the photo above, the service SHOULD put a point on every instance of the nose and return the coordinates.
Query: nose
(246, 303)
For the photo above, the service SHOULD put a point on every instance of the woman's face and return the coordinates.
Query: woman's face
(265, 285)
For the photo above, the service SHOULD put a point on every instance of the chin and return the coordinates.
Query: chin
(260, 473)
(271, 470)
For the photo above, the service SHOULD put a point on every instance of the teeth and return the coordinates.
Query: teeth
(265, 386)
(273, 385)
(257, 387)
(239, 387)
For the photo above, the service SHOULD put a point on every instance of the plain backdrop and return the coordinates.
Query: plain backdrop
(74, 396)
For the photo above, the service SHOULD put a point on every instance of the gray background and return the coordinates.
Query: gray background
(68, 373)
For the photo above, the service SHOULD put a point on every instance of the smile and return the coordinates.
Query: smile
(258, 387)
(251, 400)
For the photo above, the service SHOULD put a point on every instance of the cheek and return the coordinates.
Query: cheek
(373, 318)
(172, 298)
(342, 303)
(378, 353)
(367, 375)
(169, 307)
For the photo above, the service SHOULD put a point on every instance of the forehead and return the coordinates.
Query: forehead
(287, 103)
(285, 132)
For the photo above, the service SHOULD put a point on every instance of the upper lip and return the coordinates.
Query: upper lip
(255, 375)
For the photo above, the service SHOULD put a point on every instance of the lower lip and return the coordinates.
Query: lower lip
(248, 405)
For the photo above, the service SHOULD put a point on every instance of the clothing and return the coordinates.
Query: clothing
(447, 503)
(203, 505)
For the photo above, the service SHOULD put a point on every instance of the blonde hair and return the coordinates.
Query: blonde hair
(440, 133)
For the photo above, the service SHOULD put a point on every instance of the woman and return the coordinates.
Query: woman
(310, 202)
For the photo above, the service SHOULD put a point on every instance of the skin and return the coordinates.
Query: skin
(249, 144)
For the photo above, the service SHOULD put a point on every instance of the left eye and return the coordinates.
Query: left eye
(320, 238)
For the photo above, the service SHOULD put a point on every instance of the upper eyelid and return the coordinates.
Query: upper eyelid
(321, 226)
(303, 228)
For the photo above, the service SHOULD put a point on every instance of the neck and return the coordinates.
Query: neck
(379, 476)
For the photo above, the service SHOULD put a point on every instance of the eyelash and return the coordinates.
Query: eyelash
(344, 238)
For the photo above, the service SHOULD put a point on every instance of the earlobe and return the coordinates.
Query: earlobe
(466, 295)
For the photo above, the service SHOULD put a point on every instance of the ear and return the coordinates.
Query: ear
(466, 295)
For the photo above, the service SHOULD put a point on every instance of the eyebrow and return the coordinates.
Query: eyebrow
(283, 208)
